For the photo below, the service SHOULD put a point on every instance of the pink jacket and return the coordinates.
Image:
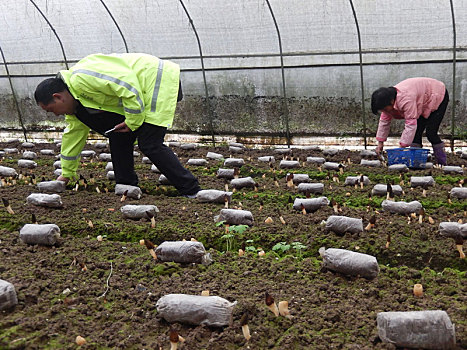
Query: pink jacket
(415, 97)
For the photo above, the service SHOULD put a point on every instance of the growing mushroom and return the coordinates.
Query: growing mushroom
(390, 193)
(174, 339)
(80, 340)
(421, 214)
(289, 179)
(341, 169)
(236, 173)
(7, 205)
(335, 206)
(150, 246)
(124, 196)
(284, 309)
(388, 240)
(152, 218)
(302, 207)
(83, 266)
(271, 304)
(245, 328)
(371, 224)
(275, 181)
(418, 290)
(281, 218)
(459, 243)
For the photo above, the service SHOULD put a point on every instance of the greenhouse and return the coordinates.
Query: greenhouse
(259, 174)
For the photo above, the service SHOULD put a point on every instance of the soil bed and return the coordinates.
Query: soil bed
(58, 301)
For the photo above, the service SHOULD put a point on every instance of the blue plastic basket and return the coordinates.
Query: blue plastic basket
(412, 157)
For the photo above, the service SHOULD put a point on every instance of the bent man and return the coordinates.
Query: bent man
(135, 94)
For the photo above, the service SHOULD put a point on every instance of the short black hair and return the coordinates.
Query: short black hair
(382, 98)
(47, 88)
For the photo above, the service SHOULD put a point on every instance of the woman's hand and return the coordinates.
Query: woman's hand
(380, 147)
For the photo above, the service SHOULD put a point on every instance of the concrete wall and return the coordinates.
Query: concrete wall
(400, 39)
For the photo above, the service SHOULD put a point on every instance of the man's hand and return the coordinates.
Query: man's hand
(379, 148)
(64, 179)
(122, 127)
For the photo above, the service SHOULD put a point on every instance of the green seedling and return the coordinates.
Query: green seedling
(250, 248)
(281, 248)
(238, 228)
(298, 247)
(231, 232)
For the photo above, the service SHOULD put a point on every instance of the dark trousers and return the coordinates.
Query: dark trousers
(431, 124)
(150, 142)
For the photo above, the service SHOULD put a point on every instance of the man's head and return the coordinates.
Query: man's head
(52, 95)
(383, 99)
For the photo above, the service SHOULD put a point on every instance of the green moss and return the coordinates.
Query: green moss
(166, 269)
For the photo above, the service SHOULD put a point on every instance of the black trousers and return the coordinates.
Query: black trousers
(431, 124)
(150, 142)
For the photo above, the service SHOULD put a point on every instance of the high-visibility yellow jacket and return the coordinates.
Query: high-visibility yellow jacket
(141, 87)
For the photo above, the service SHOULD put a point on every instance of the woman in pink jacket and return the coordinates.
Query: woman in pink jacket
(422, 103)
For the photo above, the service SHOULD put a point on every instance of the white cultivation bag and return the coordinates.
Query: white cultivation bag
(401, 207)
(137, 212)
(236, 217)
(431, 329)
(350, 263)
(342, 224)
(183, 252)
(214, 196)
(196, 309)
(45, 234)
(45, 200)
(133, 191)
(8, 297)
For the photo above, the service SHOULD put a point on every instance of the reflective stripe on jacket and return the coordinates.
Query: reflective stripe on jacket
(141, 87)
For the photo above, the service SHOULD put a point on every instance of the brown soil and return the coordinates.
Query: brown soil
(330, 311)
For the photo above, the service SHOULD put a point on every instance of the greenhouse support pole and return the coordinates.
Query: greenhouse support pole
(14, 96)
(211, 114)
(285, 109)
(454, 49)
(53, 30)
(361, 74)
(116, 24)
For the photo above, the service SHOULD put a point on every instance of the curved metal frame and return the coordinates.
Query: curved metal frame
(20, 117)
(453, 108)
(281, 55)
(211, 114)
(285, 108)
(116, 24)
(361, 73)
(53, 30)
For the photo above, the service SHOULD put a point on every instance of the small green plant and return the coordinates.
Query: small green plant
(298, 247)
(250, 248)
(231, 233)
(281, 248)
(230, 241)
(238, 228)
